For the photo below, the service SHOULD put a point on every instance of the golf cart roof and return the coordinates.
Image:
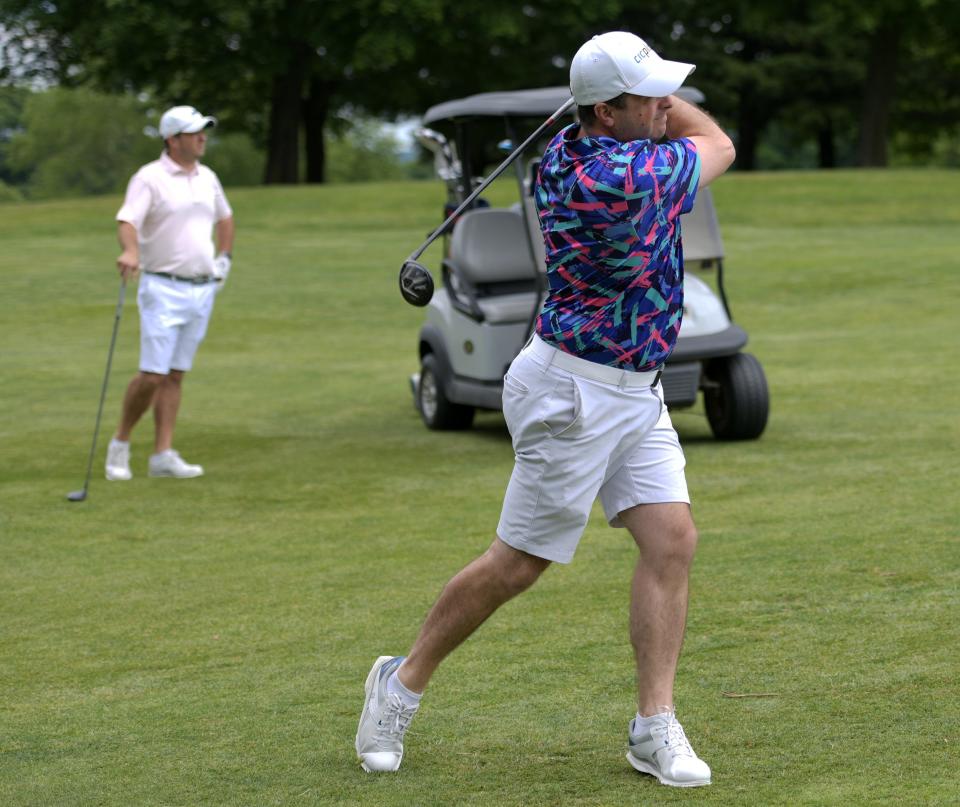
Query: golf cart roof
(518, 103)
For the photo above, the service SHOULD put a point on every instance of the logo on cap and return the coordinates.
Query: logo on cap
(641, 55)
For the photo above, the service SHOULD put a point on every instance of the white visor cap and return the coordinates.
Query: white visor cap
(183, 120)
(619, 62)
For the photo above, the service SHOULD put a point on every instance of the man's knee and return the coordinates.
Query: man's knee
(674, 551)
(174, 377)
(515, 570)
(665, 534)
(525, 573)
(149, 381)
(682, 542)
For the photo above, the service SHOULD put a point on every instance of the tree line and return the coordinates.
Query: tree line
(64, 142)
(800, 83)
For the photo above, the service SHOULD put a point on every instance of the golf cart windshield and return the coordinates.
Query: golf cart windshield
(467, 134)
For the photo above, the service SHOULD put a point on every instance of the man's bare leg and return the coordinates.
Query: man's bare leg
(136, 401)
(466, 601)
(667, 538)
(166, 405)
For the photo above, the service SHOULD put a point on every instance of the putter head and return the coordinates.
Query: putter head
(76, 496)
(416, 283)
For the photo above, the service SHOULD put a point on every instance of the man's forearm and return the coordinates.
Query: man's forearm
(224, 232)
(127, 236)
(714, 147)
(129, 261)
(687, 120)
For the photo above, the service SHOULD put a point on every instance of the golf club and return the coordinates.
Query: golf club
(416, 283)
(81, 495)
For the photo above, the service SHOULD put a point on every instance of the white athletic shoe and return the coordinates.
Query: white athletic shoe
(384, 720)
(118, 461)
(663, 751)
(170, 463)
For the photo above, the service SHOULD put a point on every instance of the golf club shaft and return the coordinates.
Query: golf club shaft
(106, 378)
(497, 171)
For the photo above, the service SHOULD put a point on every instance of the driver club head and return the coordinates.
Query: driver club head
(77, 496)
(416, 283)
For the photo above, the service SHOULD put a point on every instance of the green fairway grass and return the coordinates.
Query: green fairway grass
(205, 642)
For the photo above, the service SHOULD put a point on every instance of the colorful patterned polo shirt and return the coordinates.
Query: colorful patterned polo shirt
(610, 216)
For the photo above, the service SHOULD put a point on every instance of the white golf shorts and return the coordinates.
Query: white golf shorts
(581, 430)
(173, 322)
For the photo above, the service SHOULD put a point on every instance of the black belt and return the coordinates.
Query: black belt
(196, 281)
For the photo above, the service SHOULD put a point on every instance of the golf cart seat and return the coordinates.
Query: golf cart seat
(532, 221)
(701, 231)
(490, 274)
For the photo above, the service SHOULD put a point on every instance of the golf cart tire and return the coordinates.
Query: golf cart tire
(736, 398)
(436, 410)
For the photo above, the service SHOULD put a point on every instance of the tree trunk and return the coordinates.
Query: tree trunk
(828, 156)
(748, 128)
(878, 93)
(316, 107)
(283, 138)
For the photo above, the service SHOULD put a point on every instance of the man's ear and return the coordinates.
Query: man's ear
(604, 113)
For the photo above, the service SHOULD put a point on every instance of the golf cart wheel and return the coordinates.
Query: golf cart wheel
(736, 398)
(438, 412)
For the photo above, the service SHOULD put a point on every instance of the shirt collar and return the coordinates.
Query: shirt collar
(586, 146)
(174, 167)
(594, 145)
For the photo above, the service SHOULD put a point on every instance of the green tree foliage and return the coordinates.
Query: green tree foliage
(235, 158)
(273, 68)
(362, 152)
(12, 101)
(9, 193)
(279, 68)
(784, 71)
(925, 117)
(841, 77)
(77, 142)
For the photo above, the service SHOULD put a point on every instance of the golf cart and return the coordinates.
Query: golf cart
(494, 280)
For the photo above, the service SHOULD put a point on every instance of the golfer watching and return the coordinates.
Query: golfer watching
(583, 400)
(171, 207)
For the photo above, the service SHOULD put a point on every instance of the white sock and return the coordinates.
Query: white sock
(396, 688)
(659, 717)
(119, 442)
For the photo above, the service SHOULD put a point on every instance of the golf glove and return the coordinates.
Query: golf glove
(221, 268)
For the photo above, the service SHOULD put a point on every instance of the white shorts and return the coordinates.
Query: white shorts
(173, 322)
(575, 437)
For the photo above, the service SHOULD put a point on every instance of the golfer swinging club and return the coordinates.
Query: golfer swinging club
(171, 206)
(583, 399)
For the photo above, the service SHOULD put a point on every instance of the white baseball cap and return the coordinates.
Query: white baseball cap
(619, 62)
(183, 120)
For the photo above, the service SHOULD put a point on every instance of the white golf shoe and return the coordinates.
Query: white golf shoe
(384, 720)
(170, 463)
(661, 749)
(117, 467)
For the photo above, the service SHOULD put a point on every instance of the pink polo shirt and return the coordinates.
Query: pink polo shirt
(174, 211)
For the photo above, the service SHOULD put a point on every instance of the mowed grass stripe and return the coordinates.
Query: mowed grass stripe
(206, 642)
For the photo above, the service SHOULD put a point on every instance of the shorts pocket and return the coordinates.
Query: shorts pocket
(516, 396)
(516, 384)
(146, 299)
(566, 408)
